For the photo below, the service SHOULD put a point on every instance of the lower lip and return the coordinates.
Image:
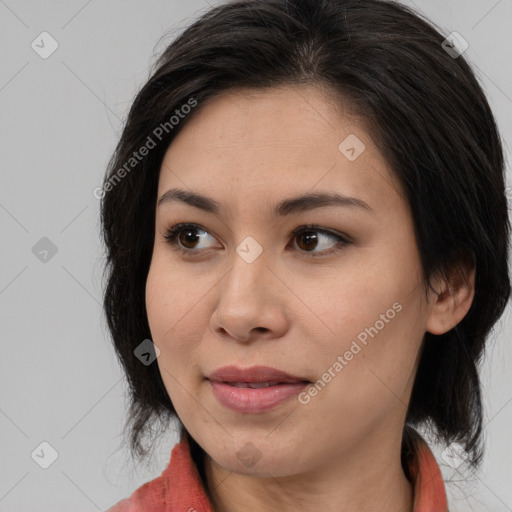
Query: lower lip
(255, 400)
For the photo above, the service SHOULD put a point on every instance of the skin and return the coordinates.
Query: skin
(248, 150)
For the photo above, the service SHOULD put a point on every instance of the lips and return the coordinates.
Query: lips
(254, 390)
(255, 374)
(253, 385)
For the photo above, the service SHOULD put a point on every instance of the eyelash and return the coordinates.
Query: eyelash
(172, 232)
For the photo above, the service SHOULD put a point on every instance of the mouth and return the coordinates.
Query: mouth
(254, 390)
(262, 375)
(257, 385)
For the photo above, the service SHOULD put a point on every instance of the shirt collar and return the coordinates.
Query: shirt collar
(179, 487)
(429, 490)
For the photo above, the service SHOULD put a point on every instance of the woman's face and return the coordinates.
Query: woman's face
(347, 316)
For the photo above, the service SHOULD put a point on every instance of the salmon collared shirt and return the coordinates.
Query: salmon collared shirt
(180, 489)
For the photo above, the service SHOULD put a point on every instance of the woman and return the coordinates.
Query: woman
(306, 231)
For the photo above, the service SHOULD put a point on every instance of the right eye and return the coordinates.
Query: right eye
(180, 236)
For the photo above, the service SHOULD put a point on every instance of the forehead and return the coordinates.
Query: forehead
(270, 141)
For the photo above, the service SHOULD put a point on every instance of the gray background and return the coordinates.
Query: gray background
(60, 120)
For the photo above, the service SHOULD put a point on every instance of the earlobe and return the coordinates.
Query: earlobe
(453, 297)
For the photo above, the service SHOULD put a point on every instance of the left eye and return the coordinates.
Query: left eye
(313, 235)
(184, 238)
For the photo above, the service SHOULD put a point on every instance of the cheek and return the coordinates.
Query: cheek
(174, 295)
(172, 299)
(374, 322)
(364, 379)
(170, 304)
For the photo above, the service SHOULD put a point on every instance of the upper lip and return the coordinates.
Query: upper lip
(252, 374)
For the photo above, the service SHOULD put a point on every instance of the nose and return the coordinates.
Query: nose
(250, 302)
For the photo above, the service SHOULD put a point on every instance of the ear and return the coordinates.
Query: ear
(453, 296)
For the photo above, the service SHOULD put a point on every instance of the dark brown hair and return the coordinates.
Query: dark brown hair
(426, 113)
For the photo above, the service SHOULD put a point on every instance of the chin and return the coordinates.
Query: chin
(256, 460)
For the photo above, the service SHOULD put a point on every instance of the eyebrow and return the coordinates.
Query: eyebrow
(289, 206)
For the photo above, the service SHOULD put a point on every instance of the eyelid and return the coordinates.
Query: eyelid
(326, 231)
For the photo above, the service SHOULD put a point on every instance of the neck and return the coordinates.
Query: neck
(365, 478)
